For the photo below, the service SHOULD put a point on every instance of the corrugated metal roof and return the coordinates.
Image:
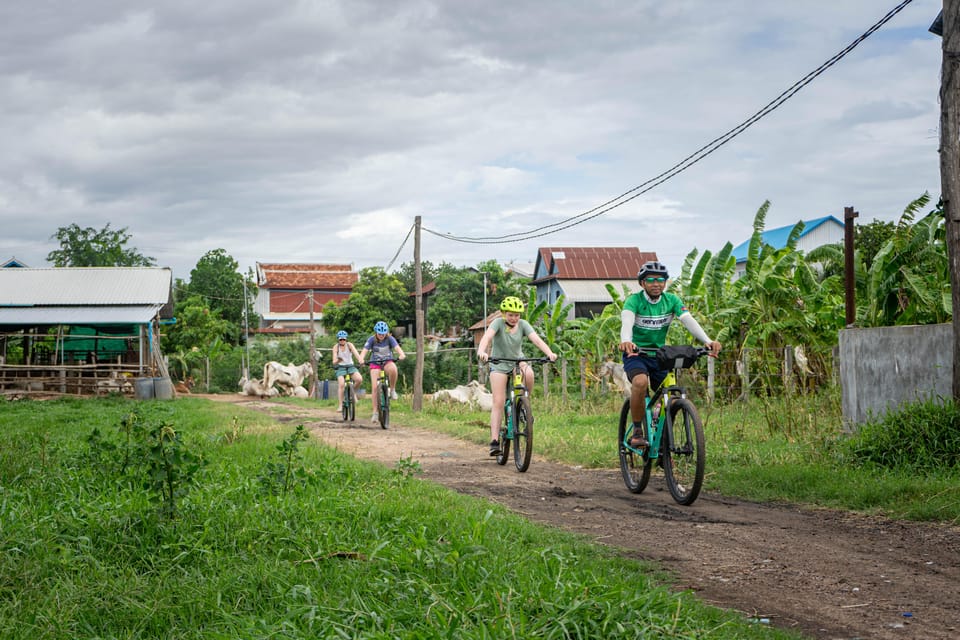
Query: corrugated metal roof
(777, 238)
(35, 316)
(85, 286)
(590, 263)
(593, 290)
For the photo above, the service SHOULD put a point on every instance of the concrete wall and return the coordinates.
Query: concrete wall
(881, 368)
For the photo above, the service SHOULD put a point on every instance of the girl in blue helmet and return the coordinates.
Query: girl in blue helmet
(344, 358)
(381, 346)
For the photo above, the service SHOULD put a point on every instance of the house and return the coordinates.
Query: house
(72, 329)
(816, 233)
(13, 262)
(580, 275)
(288, 294)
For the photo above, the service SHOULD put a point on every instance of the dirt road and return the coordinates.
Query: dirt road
(826, 573)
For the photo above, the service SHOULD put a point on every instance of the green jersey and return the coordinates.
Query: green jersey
(653, 318)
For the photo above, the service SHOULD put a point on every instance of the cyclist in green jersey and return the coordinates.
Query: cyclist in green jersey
(644, 322)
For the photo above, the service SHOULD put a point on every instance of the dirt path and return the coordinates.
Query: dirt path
(826, 573)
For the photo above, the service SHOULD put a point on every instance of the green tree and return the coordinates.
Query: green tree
(91, 248)
(869, 238)
(377, 295)
(216, 278)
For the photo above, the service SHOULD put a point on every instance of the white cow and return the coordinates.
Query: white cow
(287, 376)
(255, 388)
(472, 393)
(614, 371)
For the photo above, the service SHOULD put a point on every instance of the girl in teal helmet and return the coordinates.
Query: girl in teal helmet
(504, 339)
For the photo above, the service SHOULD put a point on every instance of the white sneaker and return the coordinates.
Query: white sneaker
(373, 418)
(393, 394)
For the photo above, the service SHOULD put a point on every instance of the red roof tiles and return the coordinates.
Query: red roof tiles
(306, 276)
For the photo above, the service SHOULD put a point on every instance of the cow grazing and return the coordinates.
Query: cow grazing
(286, 376)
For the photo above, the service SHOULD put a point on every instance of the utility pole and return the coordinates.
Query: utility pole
(950, 164)
(418, 285)
(246, 333)
(314, 388)
(849, 277)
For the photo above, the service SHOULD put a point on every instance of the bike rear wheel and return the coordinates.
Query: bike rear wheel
(685, 459)
(523, 433)
(384, 401)
(635, 468)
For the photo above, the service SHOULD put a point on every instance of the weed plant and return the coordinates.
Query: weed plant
(364, 552)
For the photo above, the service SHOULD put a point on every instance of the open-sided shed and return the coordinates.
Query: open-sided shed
(82, 330)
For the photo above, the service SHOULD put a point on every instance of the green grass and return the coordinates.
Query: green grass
(791, 450)
(359, 551)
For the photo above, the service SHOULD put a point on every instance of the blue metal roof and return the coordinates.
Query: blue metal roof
(777, 238)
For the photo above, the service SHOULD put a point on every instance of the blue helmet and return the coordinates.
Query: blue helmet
(341, 335)
(381, 327)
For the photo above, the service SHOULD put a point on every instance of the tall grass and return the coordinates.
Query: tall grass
(358, 551)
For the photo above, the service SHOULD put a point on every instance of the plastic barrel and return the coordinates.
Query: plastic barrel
(143, 388)
(163, 388)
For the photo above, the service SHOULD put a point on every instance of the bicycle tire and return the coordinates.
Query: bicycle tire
(634, 468)
(345, 405)
(523, 434)
(684, 458)
(504, 454)
(353, 402)
(384, 414)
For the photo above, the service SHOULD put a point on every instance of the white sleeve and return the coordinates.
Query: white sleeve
(627, 318)
(694, 328)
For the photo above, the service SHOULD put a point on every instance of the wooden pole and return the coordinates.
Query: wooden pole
(950, 164)
(418, 284)
(314, 385)
(850, 278)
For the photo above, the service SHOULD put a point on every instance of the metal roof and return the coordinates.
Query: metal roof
(777, 238)
(589, 263)
(89, 286)
(593, 290)
(37, 316)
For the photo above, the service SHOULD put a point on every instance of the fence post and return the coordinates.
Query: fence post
(546, 380)
(583, 378)
(711, 379)
(563, 380)
(788, 369)
(744, 375)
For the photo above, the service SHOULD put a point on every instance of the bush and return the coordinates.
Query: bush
(922, 436)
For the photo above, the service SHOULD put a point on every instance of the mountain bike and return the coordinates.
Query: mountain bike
(382, 397)
(676, 436)
(349, 405)
(517, 416)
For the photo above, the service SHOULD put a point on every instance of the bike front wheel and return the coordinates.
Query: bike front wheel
(504, 454)
(353, 403)
(523, 434)
(684, 459)
(384, 399)
(345, 406)
(634, 467)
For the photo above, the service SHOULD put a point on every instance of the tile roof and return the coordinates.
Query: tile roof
(590, 263)
(271, 275)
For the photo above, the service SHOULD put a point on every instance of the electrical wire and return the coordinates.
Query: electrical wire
(684, 164)
(402, 245)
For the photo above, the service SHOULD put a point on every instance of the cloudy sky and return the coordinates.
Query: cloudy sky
(316, 130)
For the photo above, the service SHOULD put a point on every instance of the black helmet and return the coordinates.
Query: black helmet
(652, 268)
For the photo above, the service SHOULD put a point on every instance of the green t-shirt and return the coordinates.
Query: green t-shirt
(506, 344)
(653, 319)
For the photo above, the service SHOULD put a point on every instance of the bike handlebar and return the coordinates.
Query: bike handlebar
(540, 360)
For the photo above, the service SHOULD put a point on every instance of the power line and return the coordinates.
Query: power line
(402, 245)
(684, 164)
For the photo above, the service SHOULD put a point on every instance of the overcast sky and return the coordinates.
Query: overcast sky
(315, 131)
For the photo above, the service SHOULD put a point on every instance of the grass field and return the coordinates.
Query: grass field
(193, 519)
